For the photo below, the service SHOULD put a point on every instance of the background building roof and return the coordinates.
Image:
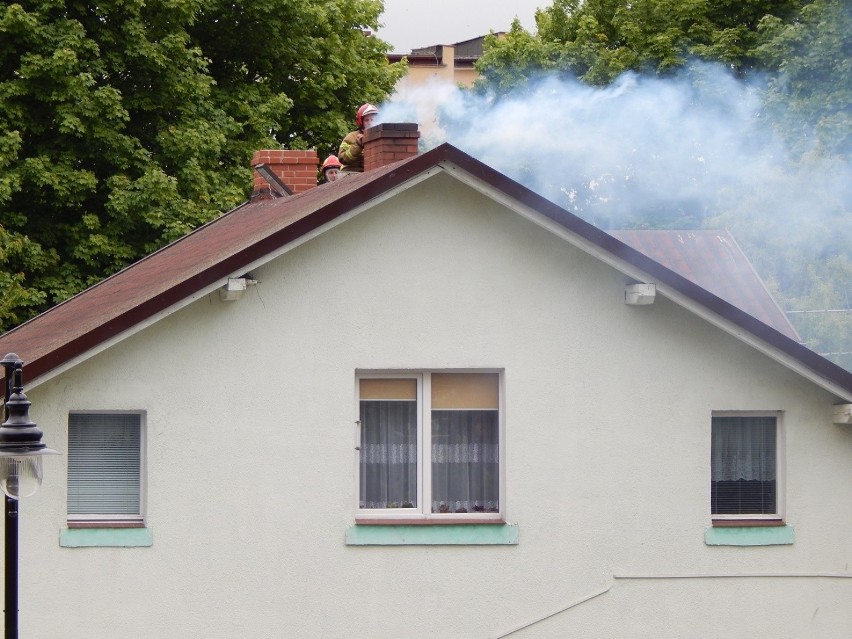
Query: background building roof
(714, 261)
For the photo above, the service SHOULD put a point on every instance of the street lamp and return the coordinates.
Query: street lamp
(21, 452)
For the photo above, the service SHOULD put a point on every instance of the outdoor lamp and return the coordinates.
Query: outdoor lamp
(21, 448)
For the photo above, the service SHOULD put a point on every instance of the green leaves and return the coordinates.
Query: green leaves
(598, 40)
(125, 124)
(812, 91)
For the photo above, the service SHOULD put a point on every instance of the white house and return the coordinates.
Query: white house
(423, 401)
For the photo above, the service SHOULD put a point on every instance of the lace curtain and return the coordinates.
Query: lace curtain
(388, 454)
(465, 461)
(743, 466)
(743, 448)
(464, 458)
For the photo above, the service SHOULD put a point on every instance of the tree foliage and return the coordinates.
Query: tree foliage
(598, 40)
(811, 92)
(126, 123)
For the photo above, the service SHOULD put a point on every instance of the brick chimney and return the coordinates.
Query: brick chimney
(383, 144)
(297, 169)
(389, 142)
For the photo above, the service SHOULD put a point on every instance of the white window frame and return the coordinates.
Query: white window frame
(116, 520)
(422, 512)
(780, 468)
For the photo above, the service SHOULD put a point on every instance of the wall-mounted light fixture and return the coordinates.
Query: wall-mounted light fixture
(639, 294)
(235, 288)
(843, 414)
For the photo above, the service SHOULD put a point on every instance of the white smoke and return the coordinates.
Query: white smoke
(681, 152)
(694, 151)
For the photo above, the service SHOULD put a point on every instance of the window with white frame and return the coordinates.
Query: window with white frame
(429, 445)
(745, 466)
(105, 468)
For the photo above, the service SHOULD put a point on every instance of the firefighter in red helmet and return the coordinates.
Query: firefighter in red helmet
(329, 170)
(352, 147)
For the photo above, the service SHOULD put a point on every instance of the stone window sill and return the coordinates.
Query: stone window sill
(133, 537)
(774, 535)
(440, 534)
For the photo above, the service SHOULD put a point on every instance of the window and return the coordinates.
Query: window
(429, 446)
(105, 469)
(745, 467)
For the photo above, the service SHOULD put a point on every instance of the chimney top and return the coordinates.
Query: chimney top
(295, 168)
(389, 142)
(280, 172)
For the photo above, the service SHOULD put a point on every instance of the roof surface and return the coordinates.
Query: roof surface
(714, 261)
(226, 247)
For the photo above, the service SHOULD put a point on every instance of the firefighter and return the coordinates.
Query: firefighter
(352, 147)
(330, 169)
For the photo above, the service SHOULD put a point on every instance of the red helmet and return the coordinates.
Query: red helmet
(331, 162)
(364, 109)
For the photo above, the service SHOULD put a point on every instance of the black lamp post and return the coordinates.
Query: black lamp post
(21, 451)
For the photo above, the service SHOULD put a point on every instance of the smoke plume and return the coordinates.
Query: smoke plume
(644, 151)
(693, 151)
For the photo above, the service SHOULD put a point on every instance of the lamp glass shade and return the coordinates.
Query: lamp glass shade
(20, 476)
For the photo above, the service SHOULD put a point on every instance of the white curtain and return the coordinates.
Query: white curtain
(465, 461)
(743, 466)
(388, 454)
(743, 448)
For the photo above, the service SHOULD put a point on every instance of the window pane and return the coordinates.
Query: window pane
(388, 454)
(104, 454)
(465, 461)
(743, 466)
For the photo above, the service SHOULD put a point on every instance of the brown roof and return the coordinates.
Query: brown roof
(714, 261)
(226, 247)
(212, 252)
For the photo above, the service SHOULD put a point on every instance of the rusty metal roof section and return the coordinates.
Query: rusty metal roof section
(714, 261)
(227, 246)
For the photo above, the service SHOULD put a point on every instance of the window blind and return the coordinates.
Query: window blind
(388, 389)
(743, 465)
(465, 391)
(104, 455)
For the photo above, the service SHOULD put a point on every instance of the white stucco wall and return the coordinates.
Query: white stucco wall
(251, 469)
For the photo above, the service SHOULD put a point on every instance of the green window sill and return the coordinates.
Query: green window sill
(105, 537)
(749, 536)
(438, 535)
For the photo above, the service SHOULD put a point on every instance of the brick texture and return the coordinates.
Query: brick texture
(297, 169)
(389, 142)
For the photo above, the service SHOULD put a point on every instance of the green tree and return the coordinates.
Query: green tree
(126, 123)
(822, 314)
(810, 94)
(598, 40)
